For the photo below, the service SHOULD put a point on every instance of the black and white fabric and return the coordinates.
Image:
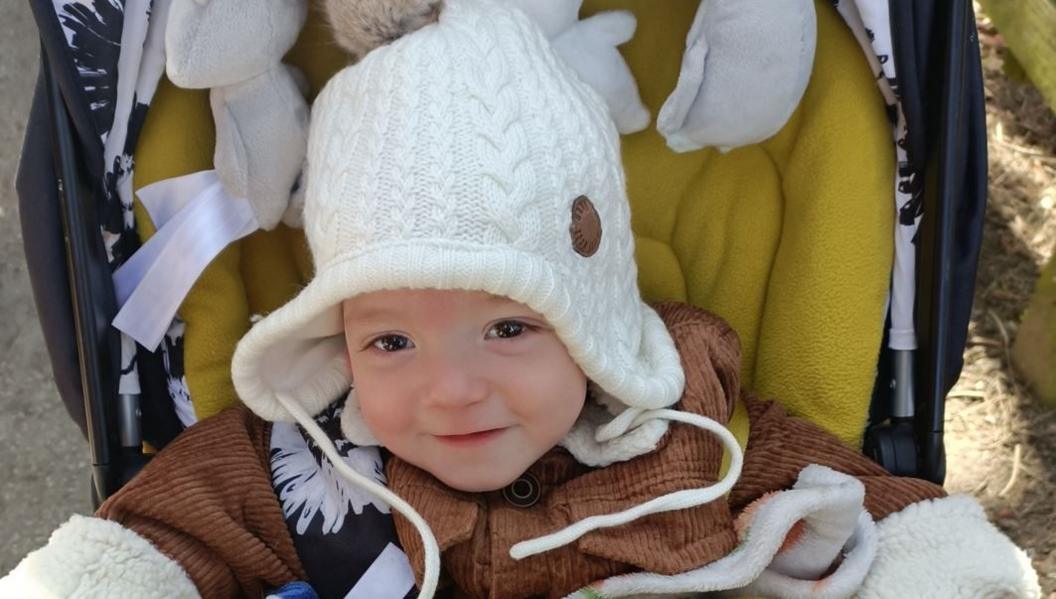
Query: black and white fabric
(870, 21)
(172, 359)
(119, 53)
(344, 536)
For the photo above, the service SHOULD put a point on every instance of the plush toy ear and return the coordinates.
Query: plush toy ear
(361, 25)
(590, 48)
(745, 68)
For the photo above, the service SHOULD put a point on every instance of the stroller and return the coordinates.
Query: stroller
(829, 338)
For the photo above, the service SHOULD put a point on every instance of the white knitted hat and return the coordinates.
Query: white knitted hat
(467, 155)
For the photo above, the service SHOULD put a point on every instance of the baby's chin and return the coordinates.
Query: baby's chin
(471, 481)
(478, 476)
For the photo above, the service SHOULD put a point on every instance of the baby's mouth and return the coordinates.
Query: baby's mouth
(474, 438)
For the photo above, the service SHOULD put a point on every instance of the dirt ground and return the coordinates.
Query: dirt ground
(1001, 443)
(1000, 440)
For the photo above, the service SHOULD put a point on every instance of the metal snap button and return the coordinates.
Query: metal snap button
(523, 492)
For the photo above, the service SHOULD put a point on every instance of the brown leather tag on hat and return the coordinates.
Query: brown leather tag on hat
(585, 227)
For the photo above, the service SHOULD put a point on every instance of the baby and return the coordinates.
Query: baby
(470, 387)
(475, 310)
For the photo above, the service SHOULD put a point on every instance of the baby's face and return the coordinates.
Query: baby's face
(468, 386)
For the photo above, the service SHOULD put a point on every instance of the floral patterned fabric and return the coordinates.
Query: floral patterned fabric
(339, 530)
(118, 50)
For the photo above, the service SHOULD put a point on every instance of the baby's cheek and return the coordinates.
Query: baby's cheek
(556, 402)
(384, 415)
(568, 407)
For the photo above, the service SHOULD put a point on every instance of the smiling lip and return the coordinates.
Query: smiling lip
(476, 438)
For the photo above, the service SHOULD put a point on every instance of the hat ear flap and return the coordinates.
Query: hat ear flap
(352, 425)
(359, 26)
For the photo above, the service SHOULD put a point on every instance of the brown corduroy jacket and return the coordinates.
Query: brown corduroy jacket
(476, 531)
(207, 502)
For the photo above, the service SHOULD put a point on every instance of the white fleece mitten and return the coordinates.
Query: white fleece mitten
(92, 557)
(828, 552)
(745, 68)
(947, 548)
(235, 48)
(589, 47)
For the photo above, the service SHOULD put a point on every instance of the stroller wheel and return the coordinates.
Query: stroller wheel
(892, 445)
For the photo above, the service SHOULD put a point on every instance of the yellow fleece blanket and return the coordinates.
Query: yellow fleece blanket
(789, 240)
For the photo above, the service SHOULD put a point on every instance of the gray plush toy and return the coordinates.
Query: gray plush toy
(235, 48)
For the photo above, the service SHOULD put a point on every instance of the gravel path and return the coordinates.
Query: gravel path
(44, 477)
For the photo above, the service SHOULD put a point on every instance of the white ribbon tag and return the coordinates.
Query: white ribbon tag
(196, 220)
(389, 576)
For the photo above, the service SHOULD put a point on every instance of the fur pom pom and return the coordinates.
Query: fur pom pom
(362, 25)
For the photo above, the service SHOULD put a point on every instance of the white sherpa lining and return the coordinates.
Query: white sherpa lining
(947, 548)
(90, 557)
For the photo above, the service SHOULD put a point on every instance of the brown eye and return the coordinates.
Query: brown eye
(392, 343)
(506, 329)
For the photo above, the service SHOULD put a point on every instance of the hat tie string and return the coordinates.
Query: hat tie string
(676, 500)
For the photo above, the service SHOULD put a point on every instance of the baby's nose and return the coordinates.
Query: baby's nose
(454, 382)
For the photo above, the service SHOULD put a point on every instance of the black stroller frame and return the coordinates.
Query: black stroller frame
(940, 88)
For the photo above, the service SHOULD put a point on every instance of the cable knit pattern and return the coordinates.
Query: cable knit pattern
(450, 159)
